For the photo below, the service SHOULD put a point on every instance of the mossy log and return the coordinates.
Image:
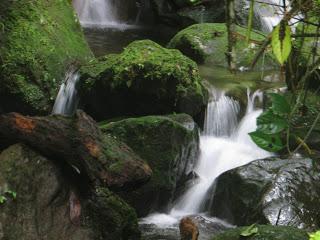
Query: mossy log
(78, 141)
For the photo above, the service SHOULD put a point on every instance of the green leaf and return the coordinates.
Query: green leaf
(314, 236)
(12, 193)
(270, 123)
(268, 142)
(280, 104)
(281, 42)
(3, 199)
(249, 231)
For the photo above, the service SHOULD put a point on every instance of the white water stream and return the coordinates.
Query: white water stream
(67, 98)
(270, 13)
(225, 145)
(99, 14)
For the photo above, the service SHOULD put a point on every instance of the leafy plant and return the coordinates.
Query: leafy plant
(281, 42)
(249, 231)
(314, 236)
(4, 196)
(272, 125)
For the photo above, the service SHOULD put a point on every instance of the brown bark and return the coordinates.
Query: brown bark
(77, 141)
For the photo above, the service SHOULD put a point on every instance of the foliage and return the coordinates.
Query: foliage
(315, 236)
(272, 125)
(249, 231)
(4, 196)
(281, 42)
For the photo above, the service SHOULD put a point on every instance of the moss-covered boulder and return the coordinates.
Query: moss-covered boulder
(52, 202)
(39, 40)
(207, 43)
(144, 79)
(264, 232)
(270, 191)
(169, 144)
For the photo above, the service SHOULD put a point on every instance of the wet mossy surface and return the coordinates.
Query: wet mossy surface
(144, 79)
(42, 208)
(207, 43)
(270, 191)
(169, 144)
(39, 40)
(265, 232)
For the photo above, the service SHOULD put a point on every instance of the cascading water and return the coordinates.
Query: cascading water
(97, 13)
(224, 145)
(67, 99)
(221, 115)
(270, 13)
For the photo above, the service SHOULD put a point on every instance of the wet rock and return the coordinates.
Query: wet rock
(265, 233)
(144, 79)
(208, 227)
(53, 202)
(188, 229)
(270, 191)
(38, 44)
(207, 43)
(170, 146)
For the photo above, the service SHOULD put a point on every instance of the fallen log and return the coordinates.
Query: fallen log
(78, 141)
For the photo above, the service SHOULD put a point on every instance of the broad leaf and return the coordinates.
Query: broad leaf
(268, 142)
(270, 123)
(280, 104)
(315, 236)
(249, 231)
(281, 42)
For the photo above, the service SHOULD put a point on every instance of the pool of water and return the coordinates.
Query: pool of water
(108, 40)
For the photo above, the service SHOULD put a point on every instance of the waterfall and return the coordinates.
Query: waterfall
(225, 144)
(97, 13)
(221, 117)
(270, 13)
(67, 99)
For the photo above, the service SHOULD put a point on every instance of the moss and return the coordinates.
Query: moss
(265, 232)
(40, 40)
(153, 80)
(161, 141)
(119, 218)
(207, 42)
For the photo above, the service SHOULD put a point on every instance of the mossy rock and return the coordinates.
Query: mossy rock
(145, 79)
(207, 43)
(275, 191)
(169, 144)
(265, 232)
(39, 40)
(43, 206)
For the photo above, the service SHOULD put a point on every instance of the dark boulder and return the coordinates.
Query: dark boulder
(52, 202)
(144, 79)
(207, 43)
(270, 191)
(169, 144)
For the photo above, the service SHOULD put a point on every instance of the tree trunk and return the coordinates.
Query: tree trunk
(77, 141)
(231, 26)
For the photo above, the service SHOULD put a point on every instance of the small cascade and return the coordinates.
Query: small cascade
(221, 117)
(270, 13)
(98, 13)
(225, 144)
(67, 98)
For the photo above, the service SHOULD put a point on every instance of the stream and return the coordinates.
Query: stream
(224, 142)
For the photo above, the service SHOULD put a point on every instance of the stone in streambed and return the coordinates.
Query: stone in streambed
(144, 79)
(170, 146)
(207, 43)
(53, 202)
(270, 191)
